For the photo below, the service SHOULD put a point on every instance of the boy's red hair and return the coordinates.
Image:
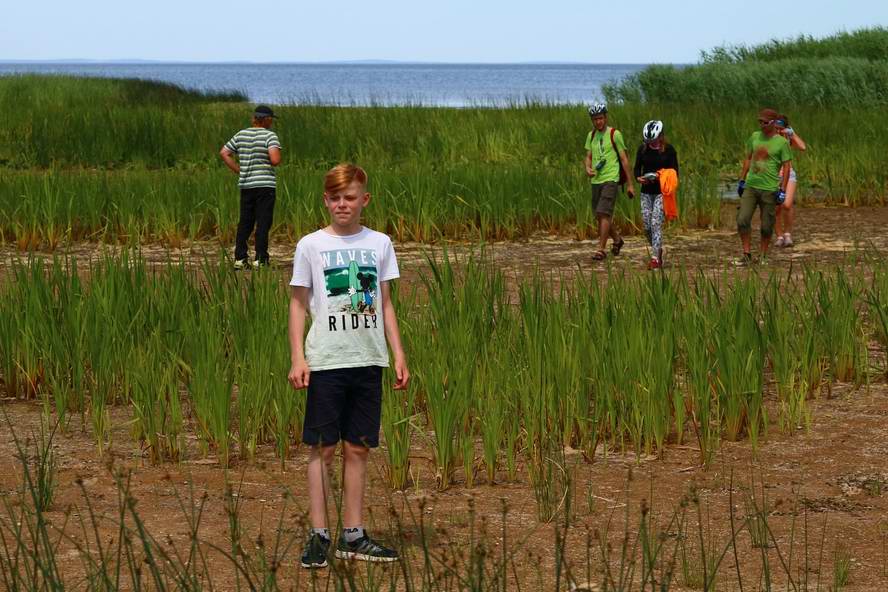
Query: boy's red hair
(342, 175)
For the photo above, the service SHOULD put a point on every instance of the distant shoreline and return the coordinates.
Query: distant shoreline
(77, 62)
(361, 83)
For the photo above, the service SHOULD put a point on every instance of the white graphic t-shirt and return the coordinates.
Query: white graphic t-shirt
(344, 274)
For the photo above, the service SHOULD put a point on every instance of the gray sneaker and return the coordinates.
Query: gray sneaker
(365, 549)
(787, 240)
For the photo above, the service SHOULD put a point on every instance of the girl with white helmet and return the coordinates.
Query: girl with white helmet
(654, 155)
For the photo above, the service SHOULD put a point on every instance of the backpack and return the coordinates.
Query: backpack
(623, 177)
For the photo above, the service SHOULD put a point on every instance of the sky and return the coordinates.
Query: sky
(613, 31)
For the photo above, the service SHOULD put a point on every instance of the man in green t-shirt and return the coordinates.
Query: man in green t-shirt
(605, 155)
(762, 183)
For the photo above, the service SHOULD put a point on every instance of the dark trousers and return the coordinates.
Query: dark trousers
(256, 209)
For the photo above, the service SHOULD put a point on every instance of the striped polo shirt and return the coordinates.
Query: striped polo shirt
(251, 146)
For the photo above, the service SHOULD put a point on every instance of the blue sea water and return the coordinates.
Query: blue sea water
(452, 85)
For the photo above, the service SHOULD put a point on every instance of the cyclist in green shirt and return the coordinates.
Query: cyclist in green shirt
(605, 156)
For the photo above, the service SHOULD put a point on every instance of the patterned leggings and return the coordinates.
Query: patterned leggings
(652, 215)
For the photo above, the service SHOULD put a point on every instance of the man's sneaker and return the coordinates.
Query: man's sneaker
(241, 264)
(780, 242)
(314, 555)
(744, 261)
(787, 240)
(260, 263)
(654, 264)
(365, 549)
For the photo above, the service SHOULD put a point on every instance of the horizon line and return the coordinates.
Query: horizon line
(138, 61)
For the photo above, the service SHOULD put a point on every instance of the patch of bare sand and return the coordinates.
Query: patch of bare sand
(822, 236)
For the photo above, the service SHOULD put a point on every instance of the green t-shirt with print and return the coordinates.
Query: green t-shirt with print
(601, 147)
(766, 157)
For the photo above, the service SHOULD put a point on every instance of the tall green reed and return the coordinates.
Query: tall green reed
(840, 324)
(826, 82)
(258, 325)
(155, 399)
(210, 379)
(399, 426)
(740, 353)
(697, 349)
(399, 408)
(461, 313)
(877, 299)
(511, 371)
(866, 43)
(789, 336)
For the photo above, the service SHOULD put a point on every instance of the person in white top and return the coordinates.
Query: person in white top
(341, 274)
(786, 211)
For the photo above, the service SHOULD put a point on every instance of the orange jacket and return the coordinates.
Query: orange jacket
(669, 186)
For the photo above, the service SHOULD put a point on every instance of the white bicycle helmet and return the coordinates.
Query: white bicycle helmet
(598, 109)
(652, 130)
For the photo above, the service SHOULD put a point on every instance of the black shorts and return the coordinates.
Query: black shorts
(343, 404)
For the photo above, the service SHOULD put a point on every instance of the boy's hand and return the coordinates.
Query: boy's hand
(402, 375)
(299, 374)
(590, 172)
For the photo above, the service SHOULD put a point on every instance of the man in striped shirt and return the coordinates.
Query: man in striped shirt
(258, 151)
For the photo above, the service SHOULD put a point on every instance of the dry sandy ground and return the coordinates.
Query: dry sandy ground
(822, 235)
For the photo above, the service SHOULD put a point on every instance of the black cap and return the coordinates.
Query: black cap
(263, 111)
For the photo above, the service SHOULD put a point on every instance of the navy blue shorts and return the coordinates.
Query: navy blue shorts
(343, 404)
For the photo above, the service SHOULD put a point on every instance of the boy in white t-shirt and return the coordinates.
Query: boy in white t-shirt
(341, 274)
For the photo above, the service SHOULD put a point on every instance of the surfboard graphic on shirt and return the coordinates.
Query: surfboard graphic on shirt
(350, 279)
(354, 284)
